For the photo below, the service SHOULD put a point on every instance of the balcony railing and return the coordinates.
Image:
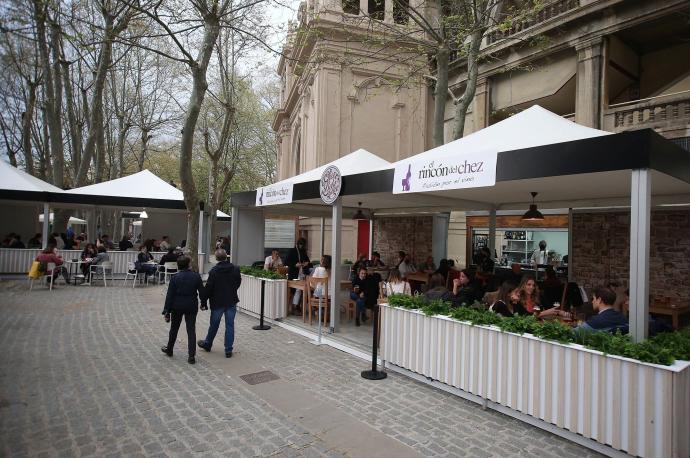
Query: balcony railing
(550, 10)
(664, 113)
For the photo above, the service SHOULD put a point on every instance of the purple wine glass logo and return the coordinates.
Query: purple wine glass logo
(408, 179)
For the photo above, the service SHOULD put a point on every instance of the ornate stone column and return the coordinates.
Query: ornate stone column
(482, 106)
(589, 82)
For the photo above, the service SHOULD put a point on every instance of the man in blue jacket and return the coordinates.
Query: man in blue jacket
(181, 301)
(221, 289)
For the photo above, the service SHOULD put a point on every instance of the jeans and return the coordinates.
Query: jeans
(216, 315)
(190, 322)
(359, 301)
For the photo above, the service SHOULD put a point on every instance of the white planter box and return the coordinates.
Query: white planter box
(640, 408)
(275, 296)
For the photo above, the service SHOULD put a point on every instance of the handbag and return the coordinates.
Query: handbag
(35, 271)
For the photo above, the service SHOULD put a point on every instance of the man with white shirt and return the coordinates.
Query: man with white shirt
(540, 256)
(406, 266)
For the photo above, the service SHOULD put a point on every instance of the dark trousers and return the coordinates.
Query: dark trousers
(190, 322)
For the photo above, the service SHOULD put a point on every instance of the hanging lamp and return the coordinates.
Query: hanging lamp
(533, 214)
(359, 215)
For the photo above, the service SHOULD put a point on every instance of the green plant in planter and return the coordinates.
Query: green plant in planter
(261, 273)
(554, 330)
(437, 307)
(347, 262)
(519, 324)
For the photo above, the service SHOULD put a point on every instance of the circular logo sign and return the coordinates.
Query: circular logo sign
(331, 183)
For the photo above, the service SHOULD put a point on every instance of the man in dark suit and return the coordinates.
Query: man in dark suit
(221, 289)
(181, 301)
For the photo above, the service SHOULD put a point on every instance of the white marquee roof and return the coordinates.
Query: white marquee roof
(359, 161)
(14, 179)
(141, 184)
(534, 126)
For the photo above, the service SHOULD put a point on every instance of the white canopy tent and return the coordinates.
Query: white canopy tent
(19, 187)
(72, 220)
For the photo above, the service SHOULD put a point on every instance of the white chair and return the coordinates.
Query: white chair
(50, 267)
(169, 269)
(101, 269)
(134, 273)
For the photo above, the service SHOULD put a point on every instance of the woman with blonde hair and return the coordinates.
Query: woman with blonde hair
(529, 294)
(396, 285)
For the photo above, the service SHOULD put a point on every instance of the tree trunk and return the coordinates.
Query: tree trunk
(74, 130)
(121, 134)
(467, 97)
(46, 163)
(54, 136)
(442, 56)
(145, 137)
(100, 145)
(211, 30)
(96, 118)
(57, 148)
(27, 117)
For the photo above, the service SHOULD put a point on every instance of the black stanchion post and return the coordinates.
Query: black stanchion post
(374, 373)
(261, 326)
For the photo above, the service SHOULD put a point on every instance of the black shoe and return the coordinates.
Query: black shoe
(166, 351)
(191, 360)
(357, 321)
(202, 344)
(228, 354)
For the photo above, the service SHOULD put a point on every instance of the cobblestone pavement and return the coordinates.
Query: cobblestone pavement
(82, 374)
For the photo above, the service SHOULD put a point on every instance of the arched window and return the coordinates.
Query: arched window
(377, 9)
(400, 11)
(351, 6)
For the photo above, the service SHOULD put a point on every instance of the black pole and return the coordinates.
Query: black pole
(374, 373)
(261, 326)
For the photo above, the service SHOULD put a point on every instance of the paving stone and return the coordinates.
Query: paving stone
(105, 389)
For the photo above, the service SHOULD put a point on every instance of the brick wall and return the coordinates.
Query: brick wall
(601, 252)
(410, 234)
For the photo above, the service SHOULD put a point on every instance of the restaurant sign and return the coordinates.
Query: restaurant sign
(275, 194)
(331, 184)
(471, 170)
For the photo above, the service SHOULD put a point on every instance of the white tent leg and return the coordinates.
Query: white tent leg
(46, 223)
(492, 231)
(640, 213)
(323, 237)
(336, 226)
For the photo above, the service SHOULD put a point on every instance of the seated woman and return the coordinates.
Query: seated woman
(438, 291)
(87, 256)
(50, 255)
(529, 294)
(144, 262)
(443, 268)
(464, 290)
(322, 271)
(365, 293)
(396, 285)
(508, 301)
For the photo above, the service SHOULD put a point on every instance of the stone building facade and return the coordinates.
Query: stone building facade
(615, 65)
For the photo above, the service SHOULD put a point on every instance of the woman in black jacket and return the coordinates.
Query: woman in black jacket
(182, 300)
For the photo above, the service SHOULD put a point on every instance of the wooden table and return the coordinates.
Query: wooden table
(302, 286)
(421, 277)
(674, 311)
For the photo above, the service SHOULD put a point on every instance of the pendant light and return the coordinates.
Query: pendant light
(533, 214)
(359, 215)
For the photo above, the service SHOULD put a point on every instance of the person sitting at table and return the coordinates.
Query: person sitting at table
(70, 243)
(375, 260)
(35, 241)
(552, 288)
(273, 261)
(529, 294)
(106, 242)
(428, 266)
(144, 262)
(464, 290)
(507, 301)
(608, 319)
(87, 256)
(298, 264)
(322, 271)
(443, 268)
(365, 293)
(101, 256)
(50, 255)
(16, 241)
(396, 285)
(406, 266)
(170, 256)
(165, 243)
(125, 244)
(359, 263)
(438, 291)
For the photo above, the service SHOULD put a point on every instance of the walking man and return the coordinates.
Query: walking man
(221, 289)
